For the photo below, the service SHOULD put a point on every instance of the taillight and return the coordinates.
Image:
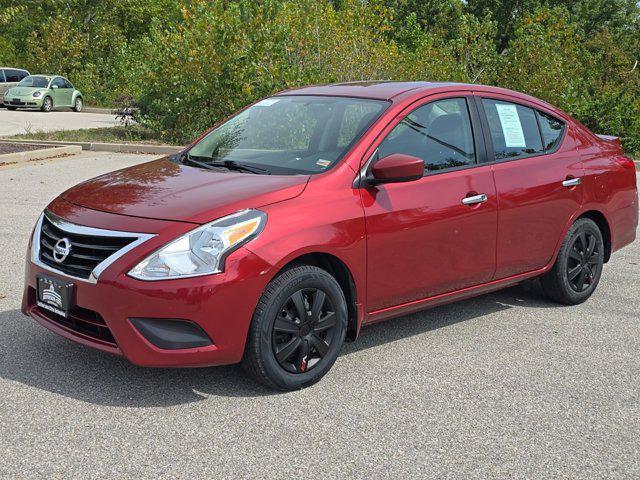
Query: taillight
(626, 163)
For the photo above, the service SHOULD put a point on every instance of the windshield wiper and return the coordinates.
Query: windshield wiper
(190, 159)
(228, 164)
(241, 167)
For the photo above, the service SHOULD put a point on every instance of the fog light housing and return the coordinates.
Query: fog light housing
(171, 333)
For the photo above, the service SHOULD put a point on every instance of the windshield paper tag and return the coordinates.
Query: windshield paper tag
(511, 126)
(323, 163)
(267, 102)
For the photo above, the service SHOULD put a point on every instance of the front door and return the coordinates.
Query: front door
(61, 94)
(538, 179)
(436, 234)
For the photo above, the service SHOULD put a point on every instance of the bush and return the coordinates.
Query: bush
(190, 64)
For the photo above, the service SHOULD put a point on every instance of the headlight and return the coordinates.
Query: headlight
(203, 250)
(36, 94)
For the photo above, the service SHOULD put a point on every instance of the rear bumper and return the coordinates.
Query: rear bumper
(625, 225)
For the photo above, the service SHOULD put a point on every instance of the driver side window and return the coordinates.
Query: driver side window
(439, 133)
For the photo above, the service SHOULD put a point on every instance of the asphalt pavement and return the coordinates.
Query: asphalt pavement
(18, 122)
(507, 385)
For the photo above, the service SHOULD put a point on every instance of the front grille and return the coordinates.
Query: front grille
(87, 251)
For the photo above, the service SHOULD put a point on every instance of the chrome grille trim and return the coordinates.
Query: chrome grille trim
(73, 228)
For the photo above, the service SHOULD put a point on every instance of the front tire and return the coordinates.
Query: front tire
(578, 268)
(77, 105)
(47, 104)
(11, 108)
(297, 329)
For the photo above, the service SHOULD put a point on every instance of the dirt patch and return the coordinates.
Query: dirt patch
(18, 147)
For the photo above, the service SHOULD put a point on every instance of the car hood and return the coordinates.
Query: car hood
(23, 91)
(165, 190)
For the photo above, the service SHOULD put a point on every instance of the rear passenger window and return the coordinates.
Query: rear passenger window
(514, 129)
(552, 129)
(439, 133)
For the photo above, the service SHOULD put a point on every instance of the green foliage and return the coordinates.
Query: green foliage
(191, 63)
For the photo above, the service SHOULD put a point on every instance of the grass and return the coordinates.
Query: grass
(117, 134)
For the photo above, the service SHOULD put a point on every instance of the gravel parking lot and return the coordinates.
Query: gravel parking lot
(506, 385)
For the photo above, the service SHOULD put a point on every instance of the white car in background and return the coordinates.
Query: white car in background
(10, 77)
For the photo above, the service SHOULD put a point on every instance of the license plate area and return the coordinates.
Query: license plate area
(54, 295)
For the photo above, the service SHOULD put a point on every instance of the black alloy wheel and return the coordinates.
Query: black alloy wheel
(304, 330)
(297, 329)
(583, 264)
(578, 267)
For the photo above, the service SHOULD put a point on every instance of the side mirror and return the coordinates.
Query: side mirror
(396, 168)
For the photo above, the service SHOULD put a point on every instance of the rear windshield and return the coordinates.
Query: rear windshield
(34, 81)
(290, 134)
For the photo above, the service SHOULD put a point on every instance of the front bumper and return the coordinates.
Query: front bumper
(221, 305)
(23, 102)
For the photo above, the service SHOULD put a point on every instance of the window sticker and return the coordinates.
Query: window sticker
(267, 102)
(323, 163)
(511, 126)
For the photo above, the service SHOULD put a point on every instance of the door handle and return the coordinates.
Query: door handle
(571, 182)
(481, 198)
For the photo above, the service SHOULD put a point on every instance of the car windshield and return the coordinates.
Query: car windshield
(34, 81)
(288, 134)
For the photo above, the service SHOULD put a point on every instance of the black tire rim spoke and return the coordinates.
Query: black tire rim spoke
(326, 322)
(584, 261)
(304, 330)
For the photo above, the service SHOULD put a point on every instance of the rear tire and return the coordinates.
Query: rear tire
(297, 329)
(578, 268)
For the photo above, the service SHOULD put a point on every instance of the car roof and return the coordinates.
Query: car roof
(388, 90)
(14, 68)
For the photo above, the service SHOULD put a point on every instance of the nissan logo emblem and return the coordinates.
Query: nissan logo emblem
(61, 250)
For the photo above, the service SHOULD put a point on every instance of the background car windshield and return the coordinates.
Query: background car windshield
(291, 134)
(34, 81)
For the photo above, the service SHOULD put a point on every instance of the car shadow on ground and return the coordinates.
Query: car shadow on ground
(31, 355)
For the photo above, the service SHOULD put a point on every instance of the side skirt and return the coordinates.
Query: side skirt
(444, 298)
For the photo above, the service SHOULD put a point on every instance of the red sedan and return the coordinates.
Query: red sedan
(276, 235)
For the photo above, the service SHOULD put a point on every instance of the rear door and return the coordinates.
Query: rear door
(538, 177)
(423, 237)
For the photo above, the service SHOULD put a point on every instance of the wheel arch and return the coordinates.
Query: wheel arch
(601, 221)
(339, 270)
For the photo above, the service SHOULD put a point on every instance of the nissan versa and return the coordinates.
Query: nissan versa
(275, 236)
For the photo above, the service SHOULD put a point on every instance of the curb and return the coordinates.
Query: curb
(105, 111)
(42, 154)
(106, 147)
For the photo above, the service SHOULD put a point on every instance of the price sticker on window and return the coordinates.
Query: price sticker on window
(511, 126)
